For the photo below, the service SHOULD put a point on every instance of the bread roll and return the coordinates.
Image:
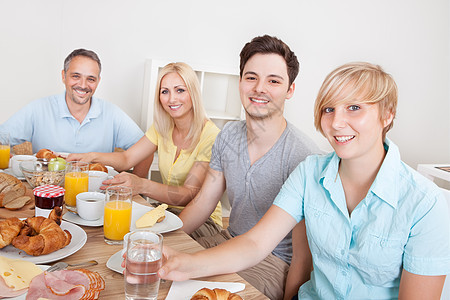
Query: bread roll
(97, 167)
(215, 294)
(46, 154)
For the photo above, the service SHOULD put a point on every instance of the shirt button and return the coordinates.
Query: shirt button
(316, 214)
(344, 273)
(342, 252)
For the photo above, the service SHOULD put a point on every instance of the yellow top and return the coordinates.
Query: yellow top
(175, 173)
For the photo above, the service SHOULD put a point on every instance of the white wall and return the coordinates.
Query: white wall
(409, 38)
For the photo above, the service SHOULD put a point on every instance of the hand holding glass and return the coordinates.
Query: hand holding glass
(143, 260)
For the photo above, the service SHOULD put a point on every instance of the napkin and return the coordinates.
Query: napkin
(183, 290)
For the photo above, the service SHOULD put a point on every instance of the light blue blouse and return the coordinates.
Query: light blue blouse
(48, 123)
(403, 222)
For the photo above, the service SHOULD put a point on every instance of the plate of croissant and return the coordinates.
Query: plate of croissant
(40, 240)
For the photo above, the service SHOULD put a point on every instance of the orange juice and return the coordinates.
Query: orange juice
(75, 183)
(4, 156)
(117, 219)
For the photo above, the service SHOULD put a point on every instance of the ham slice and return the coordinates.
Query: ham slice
(6, 291)
(66, 284)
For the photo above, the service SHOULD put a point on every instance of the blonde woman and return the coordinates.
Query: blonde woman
(183, 136)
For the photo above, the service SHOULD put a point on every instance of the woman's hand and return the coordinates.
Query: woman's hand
(86, 157)
(136, 183)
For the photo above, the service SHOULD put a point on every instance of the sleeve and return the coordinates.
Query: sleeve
(20, 125)
(152, 135)
(291, 196)
(427, 251)
(127, 131)
(216, 151)
(206, 142)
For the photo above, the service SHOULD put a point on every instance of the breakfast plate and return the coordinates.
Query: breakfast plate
(183, 290)
(111, 171)
(170, 223)
(24, 295)
(79, 238)
(9, 171)
(76, 219)
(115, 261)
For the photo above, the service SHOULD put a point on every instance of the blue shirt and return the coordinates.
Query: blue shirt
(401, 223)
(48, 123)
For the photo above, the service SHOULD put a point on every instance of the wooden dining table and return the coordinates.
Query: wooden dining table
(96, 248)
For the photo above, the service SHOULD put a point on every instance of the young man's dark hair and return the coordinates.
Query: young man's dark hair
(266, 45)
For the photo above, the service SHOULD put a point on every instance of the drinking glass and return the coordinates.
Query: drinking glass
(76, 181)
(4, 150)
(117, 216)
(143, 260)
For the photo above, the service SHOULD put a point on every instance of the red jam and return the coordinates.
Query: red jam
(48, 196)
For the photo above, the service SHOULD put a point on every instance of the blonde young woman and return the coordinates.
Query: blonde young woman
(375, 227)
(183, 136)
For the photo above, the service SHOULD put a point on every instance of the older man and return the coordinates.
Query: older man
(76, 121)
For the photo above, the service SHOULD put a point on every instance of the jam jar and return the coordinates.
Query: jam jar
(46, 197)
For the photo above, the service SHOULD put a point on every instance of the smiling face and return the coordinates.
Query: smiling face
(354, 129)
(264, 86)
(174, 96)
(81, 80)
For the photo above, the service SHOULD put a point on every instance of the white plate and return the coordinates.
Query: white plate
(10, 172)
(170, 223)
(79, 238)
(183, 290)
(76, 219)
(24, 295)
(111, 171)
(115, 261)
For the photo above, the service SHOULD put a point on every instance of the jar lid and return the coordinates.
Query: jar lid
(48, 191)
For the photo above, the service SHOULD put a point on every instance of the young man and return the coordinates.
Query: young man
(253, 158)
(75, 121)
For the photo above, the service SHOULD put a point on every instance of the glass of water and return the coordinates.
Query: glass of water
(143, 260)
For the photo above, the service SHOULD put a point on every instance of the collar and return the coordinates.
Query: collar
(385, 184)
(94, 110)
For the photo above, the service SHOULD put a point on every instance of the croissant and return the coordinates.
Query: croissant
(9, 229)
(46, 154)
(97, 167)
(56, 215)
(215, 294)
(41, 236)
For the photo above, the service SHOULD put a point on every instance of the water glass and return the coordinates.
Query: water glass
(143, 260)
(76, 181)
(117, 214)
(4, 150)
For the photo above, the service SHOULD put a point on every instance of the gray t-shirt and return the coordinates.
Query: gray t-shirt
(251, 189)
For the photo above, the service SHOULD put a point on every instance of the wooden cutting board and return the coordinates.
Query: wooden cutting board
(24, 212)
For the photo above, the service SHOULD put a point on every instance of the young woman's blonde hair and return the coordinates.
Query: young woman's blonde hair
(358, 82)
(163, 121)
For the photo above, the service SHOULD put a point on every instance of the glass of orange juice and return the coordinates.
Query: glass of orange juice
(4, 150)
(76, 181)
(117, 216)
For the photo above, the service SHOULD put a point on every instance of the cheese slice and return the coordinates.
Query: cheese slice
(18, 273)
(150, 218)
